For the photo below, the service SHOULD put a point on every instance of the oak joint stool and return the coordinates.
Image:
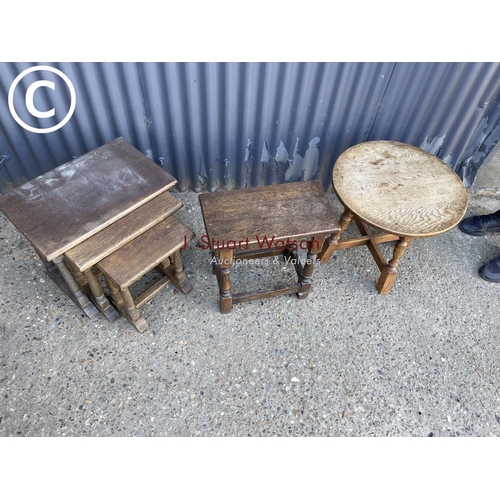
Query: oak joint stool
(262, 222)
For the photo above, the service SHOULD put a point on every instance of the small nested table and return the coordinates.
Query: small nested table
(263, 222)
(401, 191)
(158, 247)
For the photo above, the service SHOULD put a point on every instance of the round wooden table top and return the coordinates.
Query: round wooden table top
(399, 189)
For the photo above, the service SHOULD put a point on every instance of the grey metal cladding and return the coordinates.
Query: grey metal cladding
(232, 125)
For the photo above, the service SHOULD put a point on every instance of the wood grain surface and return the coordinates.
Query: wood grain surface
(63, 207)
(291, 210)
(111, 238)
(399, 188)
(136, 258)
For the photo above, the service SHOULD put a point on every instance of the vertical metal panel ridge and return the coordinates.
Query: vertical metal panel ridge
(232, 125)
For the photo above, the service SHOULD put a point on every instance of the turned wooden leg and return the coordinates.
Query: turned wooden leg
(179, 278)
(132, 313)
(306, 279)
(78, 275)
(172, 268)
(73, 288)
(102, 302)
(389, 272)
(114, 291)
(330, 244)
(179, 271)
(225, 263)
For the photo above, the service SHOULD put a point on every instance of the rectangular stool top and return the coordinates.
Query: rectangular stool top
(136, 258)
(63, 207)
(292, 210)
(111, 238)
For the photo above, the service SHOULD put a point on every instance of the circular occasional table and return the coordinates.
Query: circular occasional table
(401, 191)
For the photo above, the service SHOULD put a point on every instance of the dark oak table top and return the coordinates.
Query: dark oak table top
(399, 188)
(67, 205)
(291, 210)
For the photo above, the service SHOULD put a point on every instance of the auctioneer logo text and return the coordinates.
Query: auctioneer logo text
(262, 242)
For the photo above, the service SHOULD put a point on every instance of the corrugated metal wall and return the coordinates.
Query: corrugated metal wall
(232, 125)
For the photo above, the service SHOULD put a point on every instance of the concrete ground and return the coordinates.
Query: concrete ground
(420, 361)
